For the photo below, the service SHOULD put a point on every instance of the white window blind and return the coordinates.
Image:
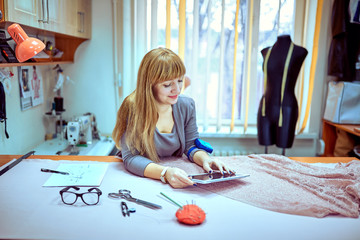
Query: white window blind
(220, 42)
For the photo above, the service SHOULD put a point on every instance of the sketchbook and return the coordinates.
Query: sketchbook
(89, 174)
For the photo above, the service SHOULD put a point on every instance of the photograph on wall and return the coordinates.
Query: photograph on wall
(25, 88)
(36, 87)
(24, 79)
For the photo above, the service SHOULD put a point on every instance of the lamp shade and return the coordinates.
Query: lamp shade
(26, 47)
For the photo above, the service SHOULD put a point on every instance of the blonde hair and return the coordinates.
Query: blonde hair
(138, 114)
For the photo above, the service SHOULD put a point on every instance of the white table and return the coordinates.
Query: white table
(28, 210)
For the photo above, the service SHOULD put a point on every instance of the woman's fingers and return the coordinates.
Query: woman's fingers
(213, 164)
(206, 166)
(178, 178)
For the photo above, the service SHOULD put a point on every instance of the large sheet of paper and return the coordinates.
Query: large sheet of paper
(28, 211)
(79, 175)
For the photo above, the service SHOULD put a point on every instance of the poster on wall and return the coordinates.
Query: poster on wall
(36, 87)
(31, 88)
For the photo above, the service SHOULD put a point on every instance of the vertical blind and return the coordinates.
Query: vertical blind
(220, 42)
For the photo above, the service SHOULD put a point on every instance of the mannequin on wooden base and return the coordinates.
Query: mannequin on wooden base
(278, 109)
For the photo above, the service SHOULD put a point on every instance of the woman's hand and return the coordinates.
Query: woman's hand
(178, 178)
(210, 163)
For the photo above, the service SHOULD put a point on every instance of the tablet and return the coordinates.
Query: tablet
(206, 178)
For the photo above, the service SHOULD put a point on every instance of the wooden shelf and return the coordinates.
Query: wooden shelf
(34, 63)
(65, 43)
(329, 135)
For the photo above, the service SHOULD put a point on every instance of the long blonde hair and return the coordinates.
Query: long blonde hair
(138, 114)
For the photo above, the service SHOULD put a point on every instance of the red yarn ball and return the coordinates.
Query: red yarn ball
(190, 214)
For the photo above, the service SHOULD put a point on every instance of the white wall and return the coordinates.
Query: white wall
(93, 72)
(93, 90)
(24, 127)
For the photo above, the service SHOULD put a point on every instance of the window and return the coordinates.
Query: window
(209, 52)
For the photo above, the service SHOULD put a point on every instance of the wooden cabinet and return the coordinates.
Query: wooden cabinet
(22, 12)
(77, 18)
(67, 21)
(71, 17)
(43, 14)
(51, 12)
(84, 18)
(329, 135)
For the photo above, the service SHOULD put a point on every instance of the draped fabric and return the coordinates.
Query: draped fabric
(280, 184)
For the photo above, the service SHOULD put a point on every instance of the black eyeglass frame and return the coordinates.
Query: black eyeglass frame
(98, 192)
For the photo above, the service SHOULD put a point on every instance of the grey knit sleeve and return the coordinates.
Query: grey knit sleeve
(190, 128)
(134, 163)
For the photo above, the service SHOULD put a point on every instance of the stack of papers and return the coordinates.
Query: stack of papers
(79, 175)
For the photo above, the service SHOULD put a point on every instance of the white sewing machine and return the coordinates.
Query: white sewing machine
(82, 138)
(80, 131)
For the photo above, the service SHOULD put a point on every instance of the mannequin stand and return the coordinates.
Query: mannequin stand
(266, 150)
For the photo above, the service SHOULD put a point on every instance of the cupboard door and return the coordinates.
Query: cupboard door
(84, 19)
(24, 12)
(53, 20)
(69, 16)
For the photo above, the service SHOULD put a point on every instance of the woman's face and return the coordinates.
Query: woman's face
(167, 92)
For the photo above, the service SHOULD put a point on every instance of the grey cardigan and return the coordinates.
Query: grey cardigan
(185, 123)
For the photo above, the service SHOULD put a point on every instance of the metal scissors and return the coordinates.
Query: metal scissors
(125, 194)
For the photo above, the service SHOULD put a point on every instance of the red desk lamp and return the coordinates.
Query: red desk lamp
(26, 47)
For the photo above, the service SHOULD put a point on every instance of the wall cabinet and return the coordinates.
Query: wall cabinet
(83, 18)
(77, 18)
(68, 21)
(22, 12)
(71, 17)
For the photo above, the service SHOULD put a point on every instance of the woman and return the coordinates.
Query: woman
(154, 121)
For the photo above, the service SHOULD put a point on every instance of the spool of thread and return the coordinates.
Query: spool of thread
(59, 104)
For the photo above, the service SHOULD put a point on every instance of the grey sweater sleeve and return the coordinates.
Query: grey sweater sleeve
(134, 163)
(185, 121)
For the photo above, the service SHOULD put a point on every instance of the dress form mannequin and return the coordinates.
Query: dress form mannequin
(278, 109)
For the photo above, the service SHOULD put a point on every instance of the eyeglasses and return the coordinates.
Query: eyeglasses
(89, 198)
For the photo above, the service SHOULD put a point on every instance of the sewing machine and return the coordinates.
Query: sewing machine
(80, 130)
(81, 138)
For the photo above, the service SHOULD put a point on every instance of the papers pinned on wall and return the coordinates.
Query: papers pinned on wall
(79, 175)
(31, 87)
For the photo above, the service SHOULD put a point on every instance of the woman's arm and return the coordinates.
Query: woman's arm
(176, 177)
(134, 163)
(199, 156)
(142, 166)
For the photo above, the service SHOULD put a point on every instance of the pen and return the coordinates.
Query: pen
(53, 171)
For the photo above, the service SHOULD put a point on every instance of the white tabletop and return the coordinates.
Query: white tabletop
(28, 210)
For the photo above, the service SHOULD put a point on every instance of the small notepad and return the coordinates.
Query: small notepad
(89, 174)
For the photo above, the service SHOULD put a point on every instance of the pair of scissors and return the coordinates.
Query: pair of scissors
(125, 194)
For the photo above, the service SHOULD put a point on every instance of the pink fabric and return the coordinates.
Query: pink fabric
(280, 184)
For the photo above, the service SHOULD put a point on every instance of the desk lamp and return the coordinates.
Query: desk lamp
(26, 47)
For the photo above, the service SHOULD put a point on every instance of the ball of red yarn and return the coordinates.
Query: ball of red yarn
(190, 214)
